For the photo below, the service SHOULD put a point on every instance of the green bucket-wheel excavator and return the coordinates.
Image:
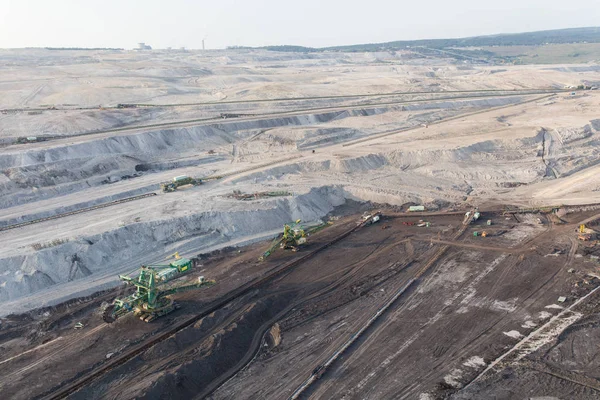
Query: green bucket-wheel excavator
(292, 238)
(152, 296)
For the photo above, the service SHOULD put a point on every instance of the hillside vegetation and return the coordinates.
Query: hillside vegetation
(575, 45)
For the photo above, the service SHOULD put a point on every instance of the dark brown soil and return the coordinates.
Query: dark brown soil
(434, 340)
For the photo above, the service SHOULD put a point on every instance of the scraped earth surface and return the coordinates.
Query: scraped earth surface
(424, 131)
(475, 304)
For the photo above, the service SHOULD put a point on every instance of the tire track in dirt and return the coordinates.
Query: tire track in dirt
(4, 379)
(408, 391)
(531, 336)
(432, 260)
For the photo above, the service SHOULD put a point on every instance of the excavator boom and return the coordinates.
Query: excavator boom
(187, 288)
(276, 243)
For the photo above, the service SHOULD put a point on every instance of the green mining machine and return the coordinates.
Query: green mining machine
(184, 180)
(152, 299)
(179, 181)
(292, 238)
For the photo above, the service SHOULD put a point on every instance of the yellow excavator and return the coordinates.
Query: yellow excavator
(583, 233)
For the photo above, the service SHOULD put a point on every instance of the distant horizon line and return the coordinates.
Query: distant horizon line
(248, 47)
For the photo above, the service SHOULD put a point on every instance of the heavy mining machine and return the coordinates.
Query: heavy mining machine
(371, 217)
(152, 296)
(179, 181)
(184, 180)
(585, 234)
(237, 194)
(471, 217)
(292, 238)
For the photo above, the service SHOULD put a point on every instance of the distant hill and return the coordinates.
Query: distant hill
(291, 48)
(557, 36)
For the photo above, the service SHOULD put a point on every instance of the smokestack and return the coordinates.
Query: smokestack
(202, 44)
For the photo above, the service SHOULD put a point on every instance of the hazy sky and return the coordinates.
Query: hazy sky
(176, 23)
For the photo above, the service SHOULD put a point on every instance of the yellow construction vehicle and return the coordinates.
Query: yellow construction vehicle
(585, 234)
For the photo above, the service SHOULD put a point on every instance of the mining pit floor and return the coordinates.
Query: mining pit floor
(476, 317)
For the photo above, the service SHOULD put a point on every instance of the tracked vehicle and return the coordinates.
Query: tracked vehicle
(294, 236)
(152, 299)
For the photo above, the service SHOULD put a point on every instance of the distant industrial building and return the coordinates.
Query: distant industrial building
(144, 46)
